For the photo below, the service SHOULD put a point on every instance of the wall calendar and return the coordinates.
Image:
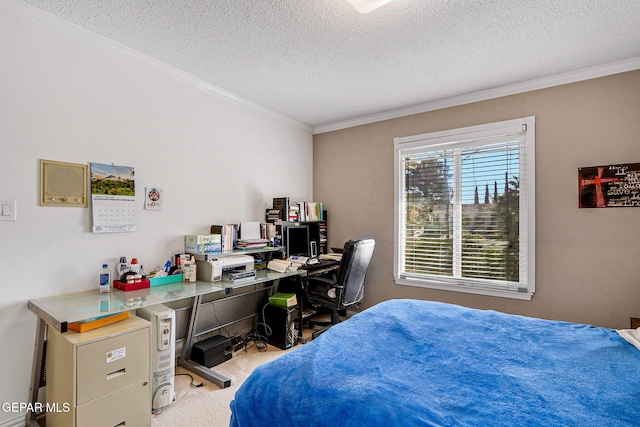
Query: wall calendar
(113, 197)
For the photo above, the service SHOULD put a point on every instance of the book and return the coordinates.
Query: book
(294, 213)
(315, 211)
(283, 300)
(228, 235)
(302, 211)
(278, 265)
(251, 243)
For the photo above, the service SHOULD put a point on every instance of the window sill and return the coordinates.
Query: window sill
(469, 289)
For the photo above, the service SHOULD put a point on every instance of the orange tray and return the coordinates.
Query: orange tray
(97, 323)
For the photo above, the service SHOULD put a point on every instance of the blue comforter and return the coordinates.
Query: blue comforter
(417, 363)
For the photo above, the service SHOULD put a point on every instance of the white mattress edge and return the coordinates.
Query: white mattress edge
(630, 335)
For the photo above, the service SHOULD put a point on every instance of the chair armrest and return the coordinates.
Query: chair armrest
(320, 280)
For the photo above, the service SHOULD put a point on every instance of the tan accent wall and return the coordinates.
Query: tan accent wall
(587, 260)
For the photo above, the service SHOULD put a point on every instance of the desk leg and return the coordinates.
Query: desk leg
(206, 373)
(36, 369)
(301, 338)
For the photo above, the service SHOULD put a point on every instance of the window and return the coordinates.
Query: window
(464, 209)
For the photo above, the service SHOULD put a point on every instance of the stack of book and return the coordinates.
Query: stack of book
(307, 211)
(228, 234)
(267, 230)
(251, 243)
(296, 211)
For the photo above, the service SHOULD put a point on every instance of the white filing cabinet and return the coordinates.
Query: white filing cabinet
(100, 377)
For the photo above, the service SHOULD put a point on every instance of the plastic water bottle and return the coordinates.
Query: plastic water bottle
(105, 279)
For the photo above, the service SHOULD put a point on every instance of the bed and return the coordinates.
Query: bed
(409, 363)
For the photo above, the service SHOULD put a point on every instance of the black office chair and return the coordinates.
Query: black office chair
(334, 296)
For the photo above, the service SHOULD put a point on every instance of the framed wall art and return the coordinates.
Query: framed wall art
(609, 186)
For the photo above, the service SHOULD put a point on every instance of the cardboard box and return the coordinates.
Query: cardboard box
(202, 238)
(203, 243)
(202, 248)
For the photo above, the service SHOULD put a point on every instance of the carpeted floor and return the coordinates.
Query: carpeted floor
(209, 405)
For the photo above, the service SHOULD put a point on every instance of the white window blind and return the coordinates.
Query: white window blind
(464, 203)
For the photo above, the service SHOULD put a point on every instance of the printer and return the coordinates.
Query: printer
(212, 269)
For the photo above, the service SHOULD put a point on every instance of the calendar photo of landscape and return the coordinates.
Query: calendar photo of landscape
(112, 180)
(113, 200)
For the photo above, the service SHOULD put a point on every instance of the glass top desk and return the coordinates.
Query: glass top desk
(59, 311)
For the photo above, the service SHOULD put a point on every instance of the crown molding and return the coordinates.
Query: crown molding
(531, 85)
(54, 23)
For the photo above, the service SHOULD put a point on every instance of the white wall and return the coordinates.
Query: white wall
(69, 96)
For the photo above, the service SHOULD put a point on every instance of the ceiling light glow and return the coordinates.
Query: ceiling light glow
(366, 6)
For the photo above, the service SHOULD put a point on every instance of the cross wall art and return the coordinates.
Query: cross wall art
(609, 186)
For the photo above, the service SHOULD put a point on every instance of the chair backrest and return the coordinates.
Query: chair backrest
(353, 269)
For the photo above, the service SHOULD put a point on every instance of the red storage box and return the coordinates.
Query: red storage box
(144, 283)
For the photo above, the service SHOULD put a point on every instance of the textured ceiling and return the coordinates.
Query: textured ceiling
(321, 62)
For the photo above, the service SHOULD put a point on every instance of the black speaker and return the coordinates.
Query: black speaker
(282, 327)
(212, 351)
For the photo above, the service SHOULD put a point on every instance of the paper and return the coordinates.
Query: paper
(153, 199)
(250, 230)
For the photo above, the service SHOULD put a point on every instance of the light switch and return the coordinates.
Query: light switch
(8, 210)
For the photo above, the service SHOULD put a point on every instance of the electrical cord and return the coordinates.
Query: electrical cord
(258, 340)
(241, 341)
(193, 384)
(267, 328)
(245, 339)
(215, 315)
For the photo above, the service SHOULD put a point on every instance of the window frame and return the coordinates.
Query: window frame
(525, 287)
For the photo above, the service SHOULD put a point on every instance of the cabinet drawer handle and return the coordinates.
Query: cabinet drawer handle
(122, 424)
(116, 374)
